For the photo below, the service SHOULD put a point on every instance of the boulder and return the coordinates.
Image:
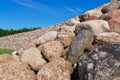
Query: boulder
(96, 13)
(65, 38)
(114, 14)
(114, 23)
(100, 64)
(109, 37)
(117, 30)
(81, 41)
(92, 18)
(16, 71)
(49, 36)
(29, 45)
(113, 18)
(33, 57)
(72, 22)
(59, 69)
(105, 17)
(7, 58)
(95, 26)
(66, 28)
(52, 50)
(112, 6)
(86, 15)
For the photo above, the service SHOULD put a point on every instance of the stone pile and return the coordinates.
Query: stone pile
(26, 39)
(83, 48)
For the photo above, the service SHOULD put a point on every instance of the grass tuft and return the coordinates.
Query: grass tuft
(5, 51)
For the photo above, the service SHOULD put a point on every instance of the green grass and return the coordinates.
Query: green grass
(3, 51)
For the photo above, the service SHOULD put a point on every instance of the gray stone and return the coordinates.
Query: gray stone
(113, 5)
(49, 36)
(100, 64)
(82, 40)
(33, 57)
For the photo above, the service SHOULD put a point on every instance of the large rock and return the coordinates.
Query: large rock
(29, 45)
(92, 18)
(7, 58)
(33, 57)
(109, 37)
(96, 13)
(52, 50)
(105, 17)
(72, 22)
(49, 36)
(101, 64)
(11, 69)
(66, 28)
(114, 23)
(55, 70)
(113, 18)
(65, 38)
(81, 41)
(86, 15)
(114, 14)
(117, 30)
(95, 26)
(112, 6)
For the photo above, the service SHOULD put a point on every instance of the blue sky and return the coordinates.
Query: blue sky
(17, 14)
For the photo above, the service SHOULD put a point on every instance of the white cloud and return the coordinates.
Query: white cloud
(74, 10)
(31, 4)
(71, 10)
(79, 10)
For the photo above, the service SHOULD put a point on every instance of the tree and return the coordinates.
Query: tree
(12, 31)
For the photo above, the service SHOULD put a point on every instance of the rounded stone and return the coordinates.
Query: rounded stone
(49, 36)
(109, 37)
(95, 26)
(65, 38)
(16, 71)
(59, 69)
(33, 57)
(52, 50)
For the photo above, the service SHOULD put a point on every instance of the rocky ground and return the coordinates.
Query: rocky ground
(16, 41)
(86, 47)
